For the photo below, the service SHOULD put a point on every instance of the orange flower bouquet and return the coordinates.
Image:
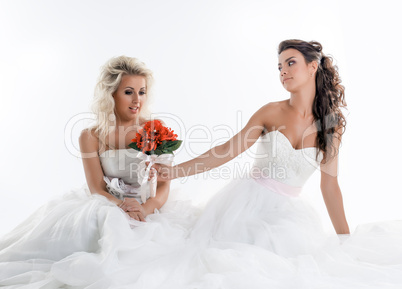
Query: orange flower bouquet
(155, 144)
(155, 139)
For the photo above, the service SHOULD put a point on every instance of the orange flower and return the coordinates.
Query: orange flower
(152, 135)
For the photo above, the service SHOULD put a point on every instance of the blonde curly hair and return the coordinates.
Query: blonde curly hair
(103, 105)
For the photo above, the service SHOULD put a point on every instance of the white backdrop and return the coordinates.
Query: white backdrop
(215, 63)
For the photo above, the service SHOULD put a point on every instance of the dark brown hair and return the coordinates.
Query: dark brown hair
(329, 96)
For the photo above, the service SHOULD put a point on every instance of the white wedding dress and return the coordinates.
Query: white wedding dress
(81, 240)
(258, 232)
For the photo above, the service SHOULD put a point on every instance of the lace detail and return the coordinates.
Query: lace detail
(277, 159)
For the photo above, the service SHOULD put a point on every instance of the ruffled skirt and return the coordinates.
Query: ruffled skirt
(246, 237)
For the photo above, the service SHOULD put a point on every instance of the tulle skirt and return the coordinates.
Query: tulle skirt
(247, 236)
(251, 237)
(83, 240)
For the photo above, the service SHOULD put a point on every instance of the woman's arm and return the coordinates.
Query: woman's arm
(94, 175)
(162, 193)
(331, 193)
(220, 154)
(92, 167)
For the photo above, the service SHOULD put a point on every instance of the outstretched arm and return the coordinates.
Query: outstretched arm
(220, 154)
(331, 193)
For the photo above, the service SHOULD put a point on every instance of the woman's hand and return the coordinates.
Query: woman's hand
(152, 174)
(131, 205)
(133, 208)
(137, 216)
(163, 172)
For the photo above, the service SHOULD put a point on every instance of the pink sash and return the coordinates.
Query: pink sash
(275, 186)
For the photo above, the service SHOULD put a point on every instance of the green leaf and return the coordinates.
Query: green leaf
(174, 145)
(158, 151)
(134, 146)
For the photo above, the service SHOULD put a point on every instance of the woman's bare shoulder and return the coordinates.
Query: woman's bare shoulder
(274, 107)
(272, 114)
(89, 140)
(89, 134)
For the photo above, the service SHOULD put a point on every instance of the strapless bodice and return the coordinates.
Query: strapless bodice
(126, 173)
(277, 159)
(121, 163)
(120, 168)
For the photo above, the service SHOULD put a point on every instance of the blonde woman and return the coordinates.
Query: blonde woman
(120, 104)
(78, 239)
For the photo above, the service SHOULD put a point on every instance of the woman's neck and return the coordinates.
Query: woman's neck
(302, 101)
(126, 125)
